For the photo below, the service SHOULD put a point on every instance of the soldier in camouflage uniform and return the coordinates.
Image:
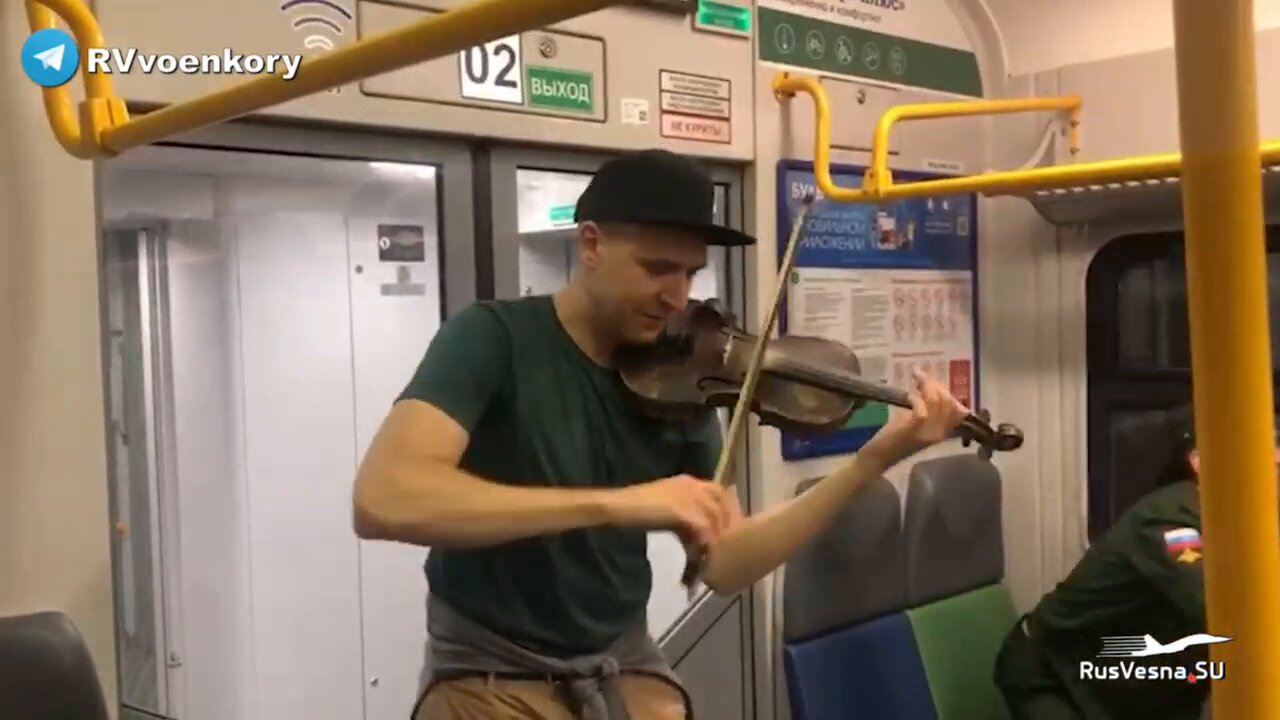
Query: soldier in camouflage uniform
(1143, 578)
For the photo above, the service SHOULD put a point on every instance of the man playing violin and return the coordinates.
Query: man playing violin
(517, 455)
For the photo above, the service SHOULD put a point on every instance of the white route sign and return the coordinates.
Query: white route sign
(493, 71)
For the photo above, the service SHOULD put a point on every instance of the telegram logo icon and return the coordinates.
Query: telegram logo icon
(50, 58)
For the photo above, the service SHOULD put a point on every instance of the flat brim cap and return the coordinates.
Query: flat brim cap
(657, 188)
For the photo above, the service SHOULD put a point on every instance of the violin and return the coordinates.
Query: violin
(810, 385)
(806, 385)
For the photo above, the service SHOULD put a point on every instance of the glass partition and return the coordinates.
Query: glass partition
(264, 312)
(545, 203)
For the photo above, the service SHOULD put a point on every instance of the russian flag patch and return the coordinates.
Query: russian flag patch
(1182, 539)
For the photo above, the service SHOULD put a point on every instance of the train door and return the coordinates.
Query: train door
(532, 195)
(269, 293)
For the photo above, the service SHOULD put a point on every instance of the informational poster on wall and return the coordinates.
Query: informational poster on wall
(907, 44)
(895, 283)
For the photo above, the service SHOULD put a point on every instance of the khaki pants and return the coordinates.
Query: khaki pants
(480, 698)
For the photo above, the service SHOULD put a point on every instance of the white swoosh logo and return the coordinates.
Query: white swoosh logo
(1145, 646)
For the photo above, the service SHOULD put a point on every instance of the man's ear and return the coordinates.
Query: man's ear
(589, 239)
(1193, 458)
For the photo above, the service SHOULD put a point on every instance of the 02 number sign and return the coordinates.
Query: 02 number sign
(493, 71)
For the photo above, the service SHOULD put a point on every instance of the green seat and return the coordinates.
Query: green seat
(959, 638)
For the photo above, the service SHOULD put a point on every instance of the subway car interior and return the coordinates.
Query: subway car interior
(218, 276)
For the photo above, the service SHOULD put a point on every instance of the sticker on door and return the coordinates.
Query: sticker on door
(404, 284)
(695, 107)
(687, 127)
(401, 243)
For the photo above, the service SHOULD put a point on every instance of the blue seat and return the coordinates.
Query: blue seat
(871, 671)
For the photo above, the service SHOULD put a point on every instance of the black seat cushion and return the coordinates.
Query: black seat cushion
(46, 671)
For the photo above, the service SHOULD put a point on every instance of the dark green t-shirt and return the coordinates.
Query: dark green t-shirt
(1144, 577)
(541, 413)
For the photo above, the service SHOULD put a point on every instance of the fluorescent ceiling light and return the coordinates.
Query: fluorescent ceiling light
(404, 170)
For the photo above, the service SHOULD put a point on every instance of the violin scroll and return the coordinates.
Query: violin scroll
(1005, 437)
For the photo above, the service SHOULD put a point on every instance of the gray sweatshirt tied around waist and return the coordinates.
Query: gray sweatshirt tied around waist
(460, 646)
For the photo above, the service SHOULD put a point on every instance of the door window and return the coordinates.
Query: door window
(545, 204)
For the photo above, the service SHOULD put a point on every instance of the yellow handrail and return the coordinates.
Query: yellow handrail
(1230, 349)
(112, 131)
(78, 131)
(879, 178)
(1008, 182)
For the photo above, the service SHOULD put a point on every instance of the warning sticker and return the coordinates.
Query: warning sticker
(695, 84)
(946, 166)
(688, 127)
(401, 243)
(635, 111)
(695, 107)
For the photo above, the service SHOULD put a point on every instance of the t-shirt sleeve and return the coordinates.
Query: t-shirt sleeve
(703, 452)
(1167, 551)
(464, 366)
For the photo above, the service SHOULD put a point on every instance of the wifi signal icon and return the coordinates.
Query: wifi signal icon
(321, 22)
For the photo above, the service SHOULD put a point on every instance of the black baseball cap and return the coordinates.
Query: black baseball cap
(657, 187)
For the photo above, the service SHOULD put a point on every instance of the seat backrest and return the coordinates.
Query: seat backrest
(872, 671)
(853, 571)
(952, 527)
(958, 639)
(46, 671)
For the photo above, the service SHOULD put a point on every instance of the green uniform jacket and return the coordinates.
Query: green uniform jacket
(1144, 578)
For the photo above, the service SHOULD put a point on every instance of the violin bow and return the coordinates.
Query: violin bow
(743, 408)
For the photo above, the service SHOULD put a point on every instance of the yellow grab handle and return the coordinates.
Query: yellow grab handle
(78, 131)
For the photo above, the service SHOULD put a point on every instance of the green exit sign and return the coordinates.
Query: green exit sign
(561, 89)
(723, 17)
(562, 214)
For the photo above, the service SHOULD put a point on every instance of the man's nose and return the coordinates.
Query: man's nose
(676, 293)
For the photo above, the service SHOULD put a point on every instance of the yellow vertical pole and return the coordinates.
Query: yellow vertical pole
(1230, 349)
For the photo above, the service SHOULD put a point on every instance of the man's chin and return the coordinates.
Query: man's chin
(643, 334)
(643, 337)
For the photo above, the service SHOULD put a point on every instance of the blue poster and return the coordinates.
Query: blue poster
(913, 301)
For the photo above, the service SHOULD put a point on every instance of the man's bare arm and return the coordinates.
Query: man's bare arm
(755, 546)
(409, 489)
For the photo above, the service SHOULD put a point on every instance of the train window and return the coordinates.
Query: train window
(1139, 355)
(1151, 315)
(1152, 322)
(545, 202)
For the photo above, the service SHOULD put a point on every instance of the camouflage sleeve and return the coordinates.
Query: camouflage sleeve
(1168, 552)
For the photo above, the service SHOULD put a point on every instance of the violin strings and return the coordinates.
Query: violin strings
(762, 342)
(693, 568)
